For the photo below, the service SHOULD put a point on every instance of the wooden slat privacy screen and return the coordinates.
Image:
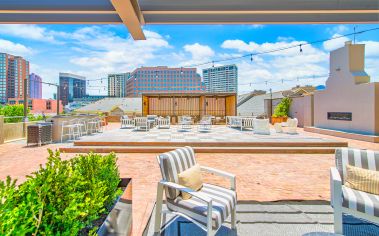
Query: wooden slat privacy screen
(216, 105)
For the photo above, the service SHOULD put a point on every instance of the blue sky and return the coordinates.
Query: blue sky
(96, 50)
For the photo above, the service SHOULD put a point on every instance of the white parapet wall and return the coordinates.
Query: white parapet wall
(350, 101)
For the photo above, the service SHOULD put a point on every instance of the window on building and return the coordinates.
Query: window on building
(48, 105)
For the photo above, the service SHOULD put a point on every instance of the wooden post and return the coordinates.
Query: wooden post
(2, 130)
(26, 104)
(58, 96)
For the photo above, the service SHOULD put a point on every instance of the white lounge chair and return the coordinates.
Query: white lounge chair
(163, 122)
(205, 124)
(141, 123)
(247, 122)
(185, 123)
(292, 126)
(346, 200)
(152, 120)
(261, 126)
(208, 208)
(126, 122)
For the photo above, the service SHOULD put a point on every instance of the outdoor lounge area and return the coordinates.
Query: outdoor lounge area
(189, 118)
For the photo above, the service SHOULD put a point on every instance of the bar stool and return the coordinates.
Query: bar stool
(92, 126)
(82, 126)
(71, 128)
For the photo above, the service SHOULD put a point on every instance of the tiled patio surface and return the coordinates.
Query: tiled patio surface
(260, 177)
(219, 133)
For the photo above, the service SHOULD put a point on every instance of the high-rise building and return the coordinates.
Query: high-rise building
(221, 79)
(71, 86)
(14, 70)
(162, 79)
(117, 84)
(35, 86)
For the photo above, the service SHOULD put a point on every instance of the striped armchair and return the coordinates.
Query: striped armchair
(346, 200)
(208, 208)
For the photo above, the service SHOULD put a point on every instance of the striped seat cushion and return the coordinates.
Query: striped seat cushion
(174, 162)
(360, 201)
(223, 201)
(365, 159)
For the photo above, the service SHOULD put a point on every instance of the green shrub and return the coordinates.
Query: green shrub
(283, 108)
(62, 198)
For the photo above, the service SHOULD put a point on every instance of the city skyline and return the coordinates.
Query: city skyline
(96, 51)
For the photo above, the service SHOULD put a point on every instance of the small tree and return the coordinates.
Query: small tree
(282, 109)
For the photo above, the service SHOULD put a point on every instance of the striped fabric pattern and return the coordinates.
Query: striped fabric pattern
(362, 179)
(174, 162)
(365, 159)
(223, 200)
(360, 201)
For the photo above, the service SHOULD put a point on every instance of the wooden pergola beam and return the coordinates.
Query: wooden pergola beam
(130, 14)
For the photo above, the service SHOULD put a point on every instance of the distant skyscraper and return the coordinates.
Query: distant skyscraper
(221, 79)
(117, 84)
(14, 70)
(71, 86)
(35, 86)
(162, 79)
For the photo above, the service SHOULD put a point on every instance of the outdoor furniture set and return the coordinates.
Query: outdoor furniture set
(354, 185)
(76, 128)
(261, 126)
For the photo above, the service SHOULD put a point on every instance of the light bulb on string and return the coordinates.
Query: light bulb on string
(213, 64)
(301, 50)
(251, 57)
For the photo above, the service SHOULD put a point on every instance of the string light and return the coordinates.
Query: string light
(251, 57)
(301, 50)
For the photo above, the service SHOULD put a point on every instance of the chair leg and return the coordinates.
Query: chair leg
(233, 218)
(338, 220)
(209, 221)
(158, 210)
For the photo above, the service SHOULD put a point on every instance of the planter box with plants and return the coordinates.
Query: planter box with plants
(68, 197)
(281, 111)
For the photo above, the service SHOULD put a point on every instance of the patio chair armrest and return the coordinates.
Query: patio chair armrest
(191, 192)
(335, 186)
(231, 177)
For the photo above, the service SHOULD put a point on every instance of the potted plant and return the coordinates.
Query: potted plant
(281, 111)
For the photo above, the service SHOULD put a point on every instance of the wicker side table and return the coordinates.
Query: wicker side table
(39, 134)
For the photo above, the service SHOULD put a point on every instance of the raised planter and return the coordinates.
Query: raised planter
(119, 220)
(278, 119)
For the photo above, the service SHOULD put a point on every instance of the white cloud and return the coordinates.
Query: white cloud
(199, 52)
(268, 70)
(339, 29)
(338, 42)
(32, 32)
(14, 48)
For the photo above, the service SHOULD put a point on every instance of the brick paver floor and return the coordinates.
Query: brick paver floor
(260, 177)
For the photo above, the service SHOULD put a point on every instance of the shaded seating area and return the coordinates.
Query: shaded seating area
(196, 105)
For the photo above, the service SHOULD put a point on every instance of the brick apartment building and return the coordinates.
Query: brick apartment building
(37, 106)
(14, 70)
(163, 79)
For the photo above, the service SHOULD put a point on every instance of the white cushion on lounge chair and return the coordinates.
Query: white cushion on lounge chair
(261, 126)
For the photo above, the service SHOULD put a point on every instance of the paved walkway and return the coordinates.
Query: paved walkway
(260, 177)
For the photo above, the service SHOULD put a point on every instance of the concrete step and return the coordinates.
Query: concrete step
(215, 144)
(161, 149)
